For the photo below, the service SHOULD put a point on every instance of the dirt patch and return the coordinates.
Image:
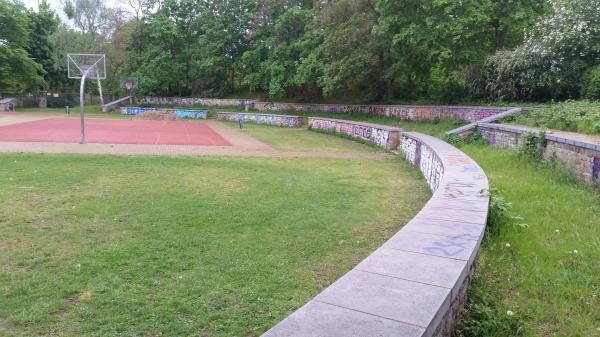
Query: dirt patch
(158, 115)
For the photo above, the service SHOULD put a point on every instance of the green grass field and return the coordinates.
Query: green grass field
(547, 274)
(301, 139)
(148, 246)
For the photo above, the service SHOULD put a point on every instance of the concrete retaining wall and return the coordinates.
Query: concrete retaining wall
(187, 101)
(193, 114)
(385, 136)
(415, 283)
(408, 112)
(277, 120)
(579, 155)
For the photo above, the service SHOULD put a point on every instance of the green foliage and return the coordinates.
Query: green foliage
(576, 116)
(590, 88)
(483, 317)
(43, 24)
(472, 137)
(18, 71)
(500, 215)
(550, 62)
(532, 146)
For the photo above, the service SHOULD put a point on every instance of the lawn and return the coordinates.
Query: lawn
(547, 274)
(148, 246)
(301, 139)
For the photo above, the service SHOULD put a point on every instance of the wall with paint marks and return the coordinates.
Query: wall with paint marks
(182, 113)
(188, 101)
(380, 135)
(277, 120)
(414, 284)
(575, 153)
(405, 112)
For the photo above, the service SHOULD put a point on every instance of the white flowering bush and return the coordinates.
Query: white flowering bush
(550, 62)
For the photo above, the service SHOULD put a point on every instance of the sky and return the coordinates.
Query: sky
(57, 5)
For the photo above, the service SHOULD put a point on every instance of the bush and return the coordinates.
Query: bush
(577, 116)
(590, 88)
(533, 146)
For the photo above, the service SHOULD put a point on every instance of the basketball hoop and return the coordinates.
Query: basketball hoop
(129, 83)
(82, 66)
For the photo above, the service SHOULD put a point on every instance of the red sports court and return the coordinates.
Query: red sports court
(63, 130)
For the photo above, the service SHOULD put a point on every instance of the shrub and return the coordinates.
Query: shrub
(590, 88)
(577, 116)
(532, 146)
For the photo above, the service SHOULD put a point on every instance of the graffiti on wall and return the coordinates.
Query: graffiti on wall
(277, 120)
(192, 114)
(424, 113)
(368, 133)
(424, 158)
(408, 112)
(596, 169)
(187, 101)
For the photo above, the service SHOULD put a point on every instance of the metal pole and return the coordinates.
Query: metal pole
(81, 89)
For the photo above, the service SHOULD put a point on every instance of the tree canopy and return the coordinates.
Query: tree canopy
(350, 50)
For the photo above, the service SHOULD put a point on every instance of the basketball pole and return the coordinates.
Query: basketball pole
(81, 115)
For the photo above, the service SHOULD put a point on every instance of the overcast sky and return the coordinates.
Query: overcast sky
(58, 7)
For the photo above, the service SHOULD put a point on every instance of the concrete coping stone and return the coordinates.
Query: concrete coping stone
(409, 285)
(508, 112)
(376, 126)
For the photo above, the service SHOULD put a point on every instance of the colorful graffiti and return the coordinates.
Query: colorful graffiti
(385, 137)
(188, 101)
(277, 120)
(408, 112)
(422, 157)
(596, 169)
(192, 114)
(422, 113)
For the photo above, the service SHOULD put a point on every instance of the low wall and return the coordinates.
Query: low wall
(187, 101)
(278, 120)
(385, 136)
(193, 114)
(579, 155)
(415, 284)
(408, 112)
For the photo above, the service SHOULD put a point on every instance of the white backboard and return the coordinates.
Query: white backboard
(78, 64)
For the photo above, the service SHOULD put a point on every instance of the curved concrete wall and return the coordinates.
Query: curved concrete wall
(381, 135)
(415, 283)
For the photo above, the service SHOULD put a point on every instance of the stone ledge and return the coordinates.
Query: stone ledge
(415, 283)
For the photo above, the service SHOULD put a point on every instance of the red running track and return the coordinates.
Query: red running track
(63, 130)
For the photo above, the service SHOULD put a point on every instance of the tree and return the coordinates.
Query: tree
(18, 71)
(550, 62)
(43, 24)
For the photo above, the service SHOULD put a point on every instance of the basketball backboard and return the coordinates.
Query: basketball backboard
(94, 64)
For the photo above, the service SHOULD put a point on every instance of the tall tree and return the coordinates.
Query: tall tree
(43, 24)
(18, 71)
